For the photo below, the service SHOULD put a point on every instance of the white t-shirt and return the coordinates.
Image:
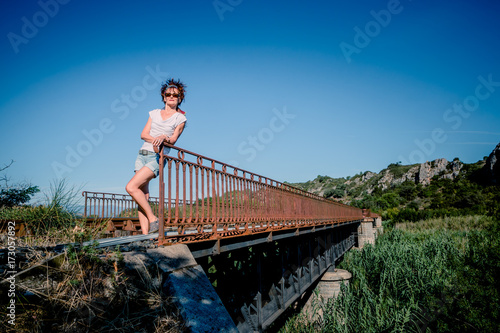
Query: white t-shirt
(160, 126)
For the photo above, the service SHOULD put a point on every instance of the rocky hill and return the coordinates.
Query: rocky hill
(492, 167)
(414, 177)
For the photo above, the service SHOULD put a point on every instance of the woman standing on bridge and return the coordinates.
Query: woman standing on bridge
(163, 126)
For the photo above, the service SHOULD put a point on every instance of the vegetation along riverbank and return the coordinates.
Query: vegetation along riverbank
(439, 275)
(435, 269)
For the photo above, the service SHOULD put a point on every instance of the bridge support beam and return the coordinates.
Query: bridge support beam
(186, 281)
(305, 260)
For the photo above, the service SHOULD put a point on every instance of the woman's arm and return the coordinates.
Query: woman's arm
(145, 132)
(177, 133)
(155, 141)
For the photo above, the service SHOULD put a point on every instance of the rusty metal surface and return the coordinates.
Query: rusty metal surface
(203, 195)
(369, 213)
(111, 205)
(207, 199)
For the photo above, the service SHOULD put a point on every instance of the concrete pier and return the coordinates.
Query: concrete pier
(329, 285)
(377, 225)
(328, 288)
(366, 232)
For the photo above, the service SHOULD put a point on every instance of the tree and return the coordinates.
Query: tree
(15, 195)
(408, 190)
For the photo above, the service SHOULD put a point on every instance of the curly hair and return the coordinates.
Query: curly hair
(171, 83)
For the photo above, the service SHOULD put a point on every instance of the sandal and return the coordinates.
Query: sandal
(154, 227)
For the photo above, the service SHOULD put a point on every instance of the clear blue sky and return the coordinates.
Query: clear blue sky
(286, 89)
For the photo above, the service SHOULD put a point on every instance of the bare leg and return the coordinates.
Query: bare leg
(135, 188)
(143, 218)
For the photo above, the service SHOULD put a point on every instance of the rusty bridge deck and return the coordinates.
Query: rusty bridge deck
(205, 199)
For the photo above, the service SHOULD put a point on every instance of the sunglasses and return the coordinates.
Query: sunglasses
(169, 94)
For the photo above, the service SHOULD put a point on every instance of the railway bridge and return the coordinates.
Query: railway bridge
(236, 249)
(260, 243)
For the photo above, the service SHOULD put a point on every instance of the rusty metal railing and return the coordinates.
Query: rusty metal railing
(112, 205)
(368, 213)
(223, 200)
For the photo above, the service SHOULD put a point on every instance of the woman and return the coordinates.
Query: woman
(163, 126)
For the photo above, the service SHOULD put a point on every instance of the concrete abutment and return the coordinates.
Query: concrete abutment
(196, 299)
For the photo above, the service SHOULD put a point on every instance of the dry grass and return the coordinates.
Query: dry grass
(93, 292)
(76, 232)
(89, 290)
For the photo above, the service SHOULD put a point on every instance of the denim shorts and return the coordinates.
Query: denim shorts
(148, 159)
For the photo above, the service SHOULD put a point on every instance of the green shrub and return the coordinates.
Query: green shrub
(15, 196)
(57, 213)
(424, 281)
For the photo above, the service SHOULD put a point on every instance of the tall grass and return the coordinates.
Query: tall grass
(421, 281)
(456, 223)
(55, 218)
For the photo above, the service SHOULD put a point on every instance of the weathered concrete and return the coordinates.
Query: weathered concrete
(199, 304)
(377, 225)
(328, 287)
(366, 234)
(172, 258)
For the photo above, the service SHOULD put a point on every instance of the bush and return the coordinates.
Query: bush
(57, 213)
(21, 194)
(334, 192)
(16, 195)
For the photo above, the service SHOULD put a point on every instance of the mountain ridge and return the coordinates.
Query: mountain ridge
(417, 186)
